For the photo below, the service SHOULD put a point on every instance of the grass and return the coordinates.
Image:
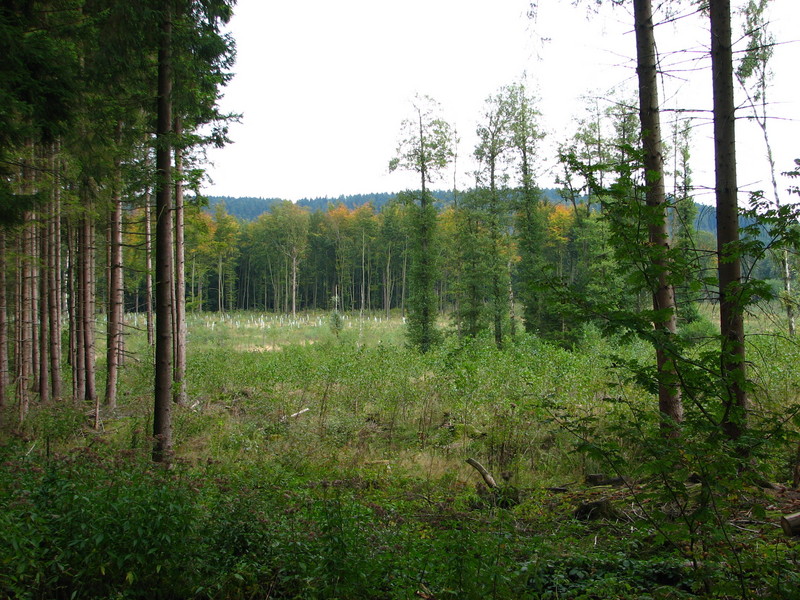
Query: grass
(316, 465)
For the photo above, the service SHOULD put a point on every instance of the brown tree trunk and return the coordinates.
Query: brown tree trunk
(87, 295)
(44, 313)
(25, 305)
(732, 356)
(76, 339)
(669, 395)
(179, 371)
(54, 286)
(4, 375)
(33, 292)
(162, 408)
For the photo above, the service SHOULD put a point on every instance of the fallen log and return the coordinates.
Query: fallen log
(487, 477)
(285, 418)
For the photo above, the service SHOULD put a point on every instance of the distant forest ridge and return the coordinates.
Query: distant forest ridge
(249, 208)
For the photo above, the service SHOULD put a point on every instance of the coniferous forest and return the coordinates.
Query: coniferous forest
(580, 390)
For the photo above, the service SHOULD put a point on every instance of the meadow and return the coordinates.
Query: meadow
(327, 460)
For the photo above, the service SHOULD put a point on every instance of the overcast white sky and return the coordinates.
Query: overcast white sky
(323, 86)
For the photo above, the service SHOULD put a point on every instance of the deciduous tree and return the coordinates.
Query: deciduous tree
(426, 147)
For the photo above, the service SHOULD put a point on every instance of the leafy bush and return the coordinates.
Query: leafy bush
(91, 527)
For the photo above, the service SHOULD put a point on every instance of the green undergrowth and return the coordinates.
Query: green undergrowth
(103, 523)
(312, 463)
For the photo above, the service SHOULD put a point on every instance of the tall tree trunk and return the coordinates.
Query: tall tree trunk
(162, 408)
(363, 273)
(33, 292)
(512, 316)
(403, 281)
(114, 331)
(387, 282)
(732, 356)
(25, 308)
(148, 281)
(44, 320)
(54, 282)
(87, 284)
(4, 374)
(179, 371)
(294, 285)
(76, 353)
(286, 285)
(669, 396)
(220, 286)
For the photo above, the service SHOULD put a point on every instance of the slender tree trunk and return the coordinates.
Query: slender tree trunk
(369, 283)
(162, 408)
(87, 284)
(179, 373)
(4, 374)
(148, 281)
(786, 273)
(403, 282)
(220, 286)
(294, 285)
(54, 285)
(512, 317)
(734, 419)
(286, 285)
(669, 396)
(114, 331)
(74, 301)
(44, 321)
(363, 273)
(387, 282)
(33, 291)
(25, 309)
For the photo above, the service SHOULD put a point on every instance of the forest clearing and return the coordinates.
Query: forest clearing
(332, 465)
(568, 372)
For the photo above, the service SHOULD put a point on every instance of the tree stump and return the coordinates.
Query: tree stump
(598, 509)
(791, 524)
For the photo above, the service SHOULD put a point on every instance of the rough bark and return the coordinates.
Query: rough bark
(732, 359)
(669, 396)
(76, 353)
(44, 321)
(87, 294)
(4, 375)
(25, 309)
(54, 287)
